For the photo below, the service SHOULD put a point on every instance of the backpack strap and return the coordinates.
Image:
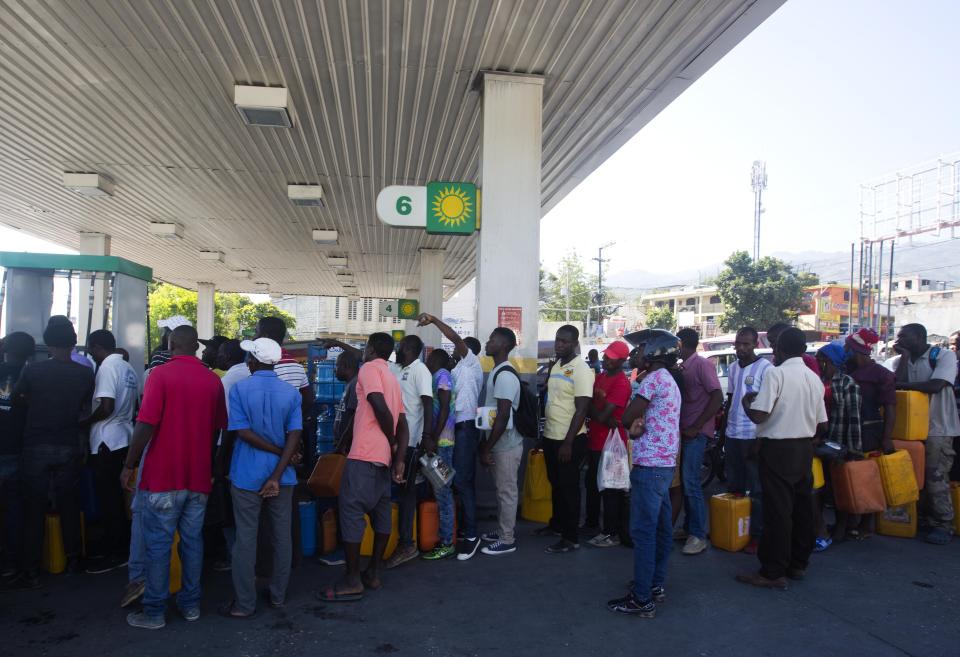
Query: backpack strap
(934, 355)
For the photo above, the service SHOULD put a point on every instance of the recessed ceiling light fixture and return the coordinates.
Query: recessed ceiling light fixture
(168, 231)
(321, 236)
(449, 282)
(307, 196)
(262, 287)
(240, 273)
(262, 106)
(339, 262)
(213, 256)
(93, 185)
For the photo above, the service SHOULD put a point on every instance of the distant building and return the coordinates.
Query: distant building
(695, 306)
(336, 316)
(827, 310)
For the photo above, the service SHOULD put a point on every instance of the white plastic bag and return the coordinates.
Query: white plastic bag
(614, 469)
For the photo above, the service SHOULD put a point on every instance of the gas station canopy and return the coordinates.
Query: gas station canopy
(378, 93)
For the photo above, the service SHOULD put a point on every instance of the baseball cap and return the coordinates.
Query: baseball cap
(215, 341)
(617, 350)
(174, 322)
(265, 350)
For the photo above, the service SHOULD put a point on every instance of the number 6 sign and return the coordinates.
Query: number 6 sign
(403, 206)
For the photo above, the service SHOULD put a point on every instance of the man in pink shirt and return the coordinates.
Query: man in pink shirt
(379, 440)
(702, 398)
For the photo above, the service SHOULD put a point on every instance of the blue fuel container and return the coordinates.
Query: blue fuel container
(308, 528)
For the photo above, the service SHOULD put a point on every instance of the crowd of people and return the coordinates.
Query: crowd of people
(231, 430)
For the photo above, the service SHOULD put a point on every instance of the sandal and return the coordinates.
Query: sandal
(227, 611)
(330, 594)
(822, 544)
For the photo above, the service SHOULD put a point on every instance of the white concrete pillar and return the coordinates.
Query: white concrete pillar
(508, 257)
(431, 293)
(97, 244)
(205, 306)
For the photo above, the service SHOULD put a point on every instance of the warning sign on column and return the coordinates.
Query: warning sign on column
(511, 317)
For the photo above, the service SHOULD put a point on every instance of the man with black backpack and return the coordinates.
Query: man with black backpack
(502, 451)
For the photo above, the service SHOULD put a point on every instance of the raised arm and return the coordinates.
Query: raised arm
(459, 346)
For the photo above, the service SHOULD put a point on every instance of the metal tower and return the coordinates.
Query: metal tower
(758, 180)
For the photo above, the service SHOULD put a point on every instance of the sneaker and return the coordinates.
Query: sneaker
(499, 548)
(132, 593)
(141, 620)
(694, 545)
(659, 594)
(546, 531)
(629, 604)
(490, 537)
(440, 552)
(756, 579)
(561, 546)
(222, 566)
(191, 614)
(106, 564)
(604, 541)
(335, 558)
(938, 536)
(821, 544)
(401, 556)
(21, 582)
(466, 548)
(680, 534)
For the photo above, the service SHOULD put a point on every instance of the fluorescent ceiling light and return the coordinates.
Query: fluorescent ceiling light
(214, 256)
(321, 236)
(167, 231)
(240, 273)
(449, 282)
(93, 185)
(337, 261)
(262, 106)
(262, 287)
(305, 195)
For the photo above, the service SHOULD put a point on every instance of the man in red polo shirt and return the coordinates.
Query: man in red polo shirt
(182, 413)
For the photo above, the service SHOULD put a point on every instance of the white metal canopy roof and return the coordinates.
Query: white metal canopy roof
(381, 92)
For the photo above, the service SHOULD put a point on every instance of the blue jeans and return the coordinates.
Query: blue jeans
(651, 527)
(162, 514)
(695, 511)
(137, 563)
(465, 463)
(445, 501)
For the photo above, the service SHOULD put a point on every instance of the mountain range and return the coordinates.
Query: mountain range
(939, 261)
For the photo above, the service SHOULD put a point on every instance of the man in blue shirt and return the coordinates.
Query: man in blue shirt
(265, 414)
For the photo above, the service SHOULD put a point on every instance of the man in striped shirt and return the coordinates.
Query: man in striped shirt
(290, 370)
(740, 449)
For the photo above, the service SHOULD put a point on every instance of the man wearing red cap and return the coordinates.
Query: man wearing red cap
(611, 394)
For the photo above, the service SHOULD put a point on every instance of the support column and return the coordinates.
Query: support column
(508, 257)
(90, 315)
(205, 294)
(431, 293)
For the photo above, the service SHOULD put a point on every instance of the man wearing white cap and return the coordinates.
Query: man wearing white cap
(265, 413)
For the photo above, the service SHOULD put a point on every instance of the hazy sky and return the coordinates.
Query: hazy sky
(830, 94)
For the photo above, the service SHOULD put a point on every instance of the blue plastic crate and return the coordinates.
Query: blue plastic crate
(324, 430)
(325, 447)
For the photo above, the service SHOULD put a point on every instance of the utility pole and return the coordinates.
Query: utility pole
(758, 181)
(600, 262)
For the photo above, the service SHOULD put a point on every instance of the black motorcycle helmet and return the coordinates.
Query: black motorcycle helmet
(658, 345)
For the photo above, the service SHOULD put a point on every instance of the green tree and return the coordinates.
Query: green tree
(661, 318)
(570, 284)
(232, 314)
(759, 293)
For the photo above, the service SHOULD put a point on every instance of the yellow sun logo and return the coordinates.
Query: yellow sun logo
(407, 309)
(452, 206)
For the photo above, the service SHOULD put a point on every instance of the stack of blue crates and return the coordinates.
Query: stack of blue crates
(327, 392)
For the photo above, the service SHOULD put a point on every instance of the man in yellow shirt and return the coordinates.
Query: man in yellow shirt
(569, 392)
